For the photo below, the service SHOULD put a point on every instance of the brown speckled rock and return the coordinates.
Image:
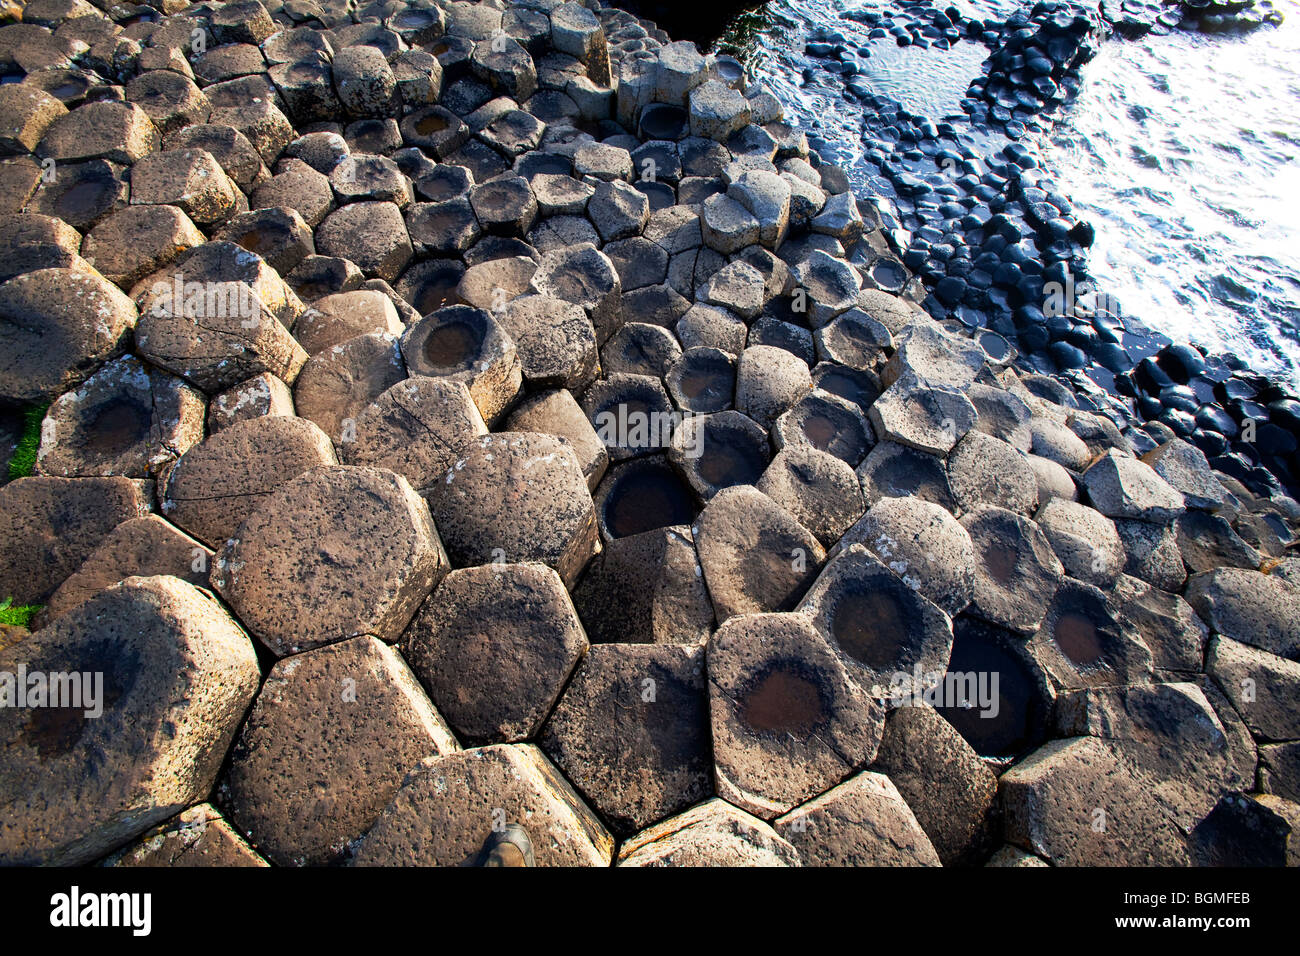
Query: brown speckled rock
(56, 327)
(712, 834)
(862, 822)
(493, 646)
(218, 483)
(787, 722)
(333, 319)
(138, 547)
(943, 780)
(76, 786)
(632, 732)
(371, 234)
(416, 428)
(261, 395)
(1071, 802)
(449, 805)
(25, 114)
(120, 132)
(137, 240)
(199, 836)
(646, 588)
(516, 497)
(467, 345)
(324, 749)
(756, 557)
(335, 553)
(190, 179)
(216, 336)
(49, 526)
(127, 419)
(338, 384)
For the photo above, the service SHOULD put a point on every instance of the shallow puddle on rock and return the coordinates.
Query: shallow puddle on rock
(433, 123)
(889, 275)
(81, 201)
(727, 461)
(872, 627)
(661, 122)
(1001, 725)
(820, 431)
(436, 290)
(783, 701)
(1077, 638)
(645, 499)
(709, 386)
(846, 387)
(999, 561)
(255, 240)
(452, 345)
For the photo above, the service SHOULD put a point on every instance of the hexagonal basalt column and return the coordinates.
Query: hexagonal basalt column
(335, 553)
(218, 483)
(138, 547)
(77, 783)
(415, 428)
(862, 822)
(893, 642)
(821, 491)
(756, 557)
(945, 783)
(923, 544)
(1016, 572)
(338, 384)
(449, 806)
(584, 276)
(647, 588)
(641, 495)
(126, 419)
(216, 334)
(56, 326)
(715, 833)
(1085, 642)
(493, 646)
(717, 451)
(787, 721)
(326, 746)
(517, 497)
(466, 345)
(49, 526)
(631, 731)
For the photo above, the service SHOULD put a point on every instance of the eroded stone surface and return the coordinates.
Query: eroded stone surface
(787, 721)
(632, 732)
(78, 783)
(715, 833)
(334, 553)
(448, 806)
(516, 497)
(862, 822)
(493, 646)
(218, 483)
(325, 747)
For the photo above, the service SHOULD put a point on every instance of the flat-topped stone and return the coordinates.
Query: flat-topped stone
(82, 780)
(632, 732)
(1123, 487)
(493, 646)
(449, 805)
(367, 526)
(516, 497)
(325, 747)
(787, 721)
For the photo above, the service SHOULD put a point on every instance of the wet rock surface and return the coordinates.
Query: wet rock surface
(548, 393)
